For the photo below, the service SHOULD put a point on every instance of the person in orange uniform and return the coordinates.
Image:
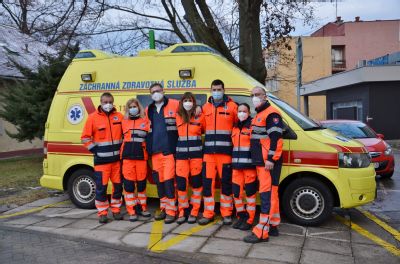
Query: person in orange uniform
(189, 157)
(266, 152)
(220, 113)
(244, 173)
(135, 127)
(161, 145)
(102, 135)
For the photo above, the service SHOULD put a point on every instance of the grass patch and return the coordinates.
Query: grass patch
(19, 180)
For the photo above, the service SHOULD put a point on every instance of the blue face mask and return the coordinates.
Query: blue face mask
(217, 95)
(133, 111)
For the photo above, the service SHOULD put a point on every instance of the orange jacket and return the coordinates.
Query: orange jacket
(102, 135)
(135, 130)
(241, 155)
(190, 145)
(266, 137)
(219, 123)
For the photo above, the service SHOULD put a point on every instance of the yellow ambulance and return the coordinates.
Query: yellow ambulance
(321, 169)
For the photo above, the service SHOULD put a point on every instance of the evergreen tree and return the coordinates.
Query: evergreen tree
(26, 103)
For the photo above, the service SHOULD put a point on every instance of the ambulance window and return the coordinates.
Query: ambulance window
(145, 100)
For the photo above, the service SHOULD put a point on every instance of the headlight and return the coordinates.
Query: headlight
(354, 160)
(388, 150)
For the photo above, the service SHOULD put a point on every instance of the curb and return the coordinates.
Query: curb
(178, 256)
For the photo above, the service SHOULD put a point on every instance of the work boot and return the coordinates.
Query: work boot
(273, 231)
(160, 216)
(205, 220)
(146, 214)
(227, 220)
(169, 219)
(133, 218)
(117, 216)
(103, 219)
(238, 223)
(192, 219)
(253, 239)
(181, 220)
(245, 226)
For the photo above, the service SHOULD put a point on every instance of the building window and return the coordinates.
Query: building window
(347, 110)
(272, 85)
(271, 61)
(338, 58)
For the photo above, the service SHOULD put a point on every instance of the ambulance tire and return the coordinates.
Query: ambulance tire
(307, 202)
(82, 188)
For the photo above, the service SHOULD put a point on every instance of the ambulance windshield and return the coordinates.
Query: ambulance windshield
(304, 122)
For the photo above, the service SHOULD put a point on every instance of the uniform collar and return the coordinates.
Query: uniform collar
(262, 107)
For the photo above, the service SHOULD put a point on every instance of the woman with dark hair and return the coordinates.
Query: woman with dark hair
(135, 127)
(243, 172)
(189, 157)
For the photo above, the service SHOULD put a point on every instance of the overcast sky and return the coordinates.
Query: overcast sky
(348, 10)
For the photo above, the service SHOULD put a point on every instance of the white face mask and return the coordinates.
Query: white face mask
(133, 111)
(188, 105)
(157, 96)
(107, 107)
(243, 116)
(256, 101)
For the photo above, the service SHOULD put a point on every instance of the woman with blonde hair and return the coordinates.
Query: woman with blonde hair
(135, 127)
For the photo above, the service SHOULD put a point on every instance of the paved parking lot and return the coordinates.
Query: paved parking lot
(364, 235)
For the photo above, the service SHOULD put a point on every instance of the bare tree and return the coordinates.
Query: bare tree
(239, 30)
(53, 22)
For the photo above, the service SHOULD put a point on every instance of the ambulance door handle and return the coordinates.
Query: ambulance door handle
(369, 119)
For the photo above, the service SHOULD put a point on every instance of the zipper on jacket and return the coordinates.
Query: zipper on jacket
(112, 139)
(215, 126)
(187, 138)
(133, 137)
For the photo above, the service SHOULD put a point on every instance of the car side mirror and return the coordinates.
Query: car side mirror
(381, 136)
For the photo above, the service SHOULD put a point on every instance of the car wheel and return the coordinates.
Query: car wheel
(307, 201)
(82, 188)
(387, 176)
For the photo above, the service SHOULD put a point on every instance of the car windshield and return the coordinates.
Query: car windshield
(304, 122)
(352, 130)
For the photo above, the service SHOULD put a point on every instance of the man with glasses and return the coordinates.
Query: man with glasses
(266, 152)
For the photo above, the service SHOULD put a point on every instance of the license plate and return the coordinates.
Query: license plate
(376, 164)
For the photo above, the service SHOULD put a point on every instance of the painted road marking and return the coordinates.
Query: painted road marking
(382, 224)
(33, 210)
(155, 243)
(389, 247)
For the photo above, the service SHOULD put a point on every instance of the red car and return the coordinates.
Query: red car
(380, 151)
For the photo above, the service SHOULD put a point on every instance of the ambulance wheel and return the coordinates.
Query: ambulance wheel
(307, 202)
(82, 188)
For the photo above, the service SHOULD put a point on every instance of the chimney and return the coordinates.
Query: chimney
(358, 19)
(339, 19)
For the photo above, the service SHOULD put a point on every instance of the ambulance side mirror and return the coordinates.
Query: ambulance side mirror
(287, 132)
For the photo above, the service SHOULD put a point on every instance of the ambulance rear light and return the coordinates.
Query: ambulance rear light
(45, 149)
(88, 77)
(186, 73)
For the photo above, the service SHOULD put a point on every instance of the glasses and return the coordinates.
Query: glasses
(257, 94)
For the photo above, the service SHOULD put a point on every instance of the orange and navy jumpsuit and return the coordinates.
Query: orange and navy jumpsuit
(161, 145)
(102, 135)
(266, 144)
(189, 161)
(244, 175)
(134, 161)
(218, 154)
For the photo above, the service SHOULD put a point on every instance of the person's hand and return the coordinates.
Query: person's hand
(269, 165)
(198, 111)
